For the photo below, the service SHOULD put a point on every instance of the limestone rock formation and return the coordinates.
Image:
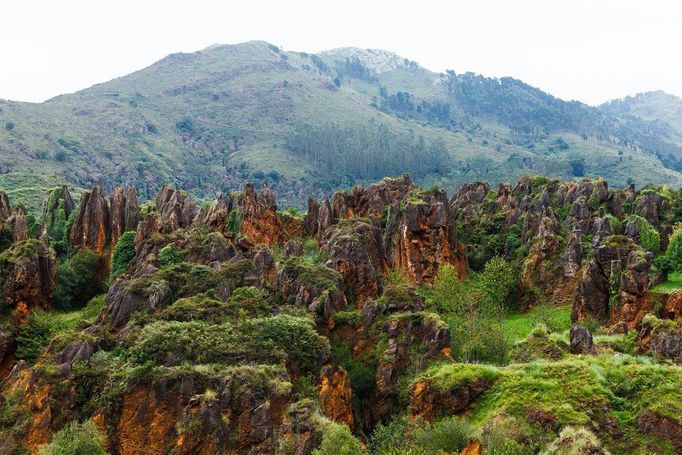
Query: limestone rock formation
(27, 275)
(92, 226)
(125, 212)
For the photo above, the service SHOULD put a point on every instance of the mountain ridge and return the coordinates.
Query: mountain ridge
(310, 123)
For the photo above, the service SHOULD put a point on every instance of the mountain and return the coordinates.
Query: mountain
(304, 124)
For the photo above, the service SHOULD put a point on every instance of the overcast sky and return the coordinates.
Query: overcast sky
(591, 51)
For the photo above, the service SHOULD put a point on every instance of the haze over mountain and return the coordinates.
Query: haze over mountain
(301, 123)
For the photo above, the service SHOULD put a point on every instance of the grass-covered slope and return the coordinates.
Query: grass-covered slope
(210, 120)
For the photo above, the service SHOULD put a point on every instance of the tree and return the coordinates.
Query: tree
(9, 126)
(337, 82)
(185, 125)
(578, 168)
(124, 252)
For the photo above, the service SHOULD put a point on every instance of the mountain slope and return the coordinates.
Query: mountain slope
(210, 120)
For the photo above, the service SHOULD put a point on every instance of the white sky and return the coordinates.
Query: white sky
(589, 50)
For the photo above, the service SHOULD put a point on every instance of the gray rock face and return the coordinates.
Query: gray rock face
(581, 340)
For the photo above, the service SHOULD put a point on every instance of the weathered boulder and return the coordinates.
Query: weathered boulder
(581, 340)
(92, 227)
(673, 305)
(127, 296)
(634, 282)
(650, 206)
(661, 338)
(312, 218)
(336, 394)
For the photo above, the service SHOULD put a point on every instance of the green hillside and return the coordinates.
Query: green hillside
(306, 124)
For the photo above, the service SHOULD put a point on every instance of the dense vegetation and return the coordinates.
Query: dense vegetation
(207, 332)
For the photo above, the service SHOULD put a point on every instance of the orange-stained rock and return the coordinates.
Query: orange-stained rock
(429, 404)
(260, 223)
(420, 236)
(36, 402)
(336, 394)
(147, 423)
(673, 306)
(474, 448)
(28, 279)
(356, 251)
(91, 228)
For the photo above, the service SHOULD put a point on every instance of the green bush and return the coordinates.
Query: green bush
(404, 435)
(338, 440)
(76, 439)
(169, 256)
(649, 238)
(78, 280)
(674, 251)
(248, 302)
(33, 337)
(123, 253)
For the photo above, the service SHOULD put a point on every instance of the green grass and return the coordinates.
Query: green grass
(674, 283)
(575, 391)
(518, 325)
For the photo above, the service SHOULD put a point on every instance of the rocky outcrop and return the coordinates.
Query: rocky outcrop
(92, 227)
(660, 338)
(19, 224)
(57, 208)
(260, 222)
(175, 209)
(612, 285)
(371, 201)
(336, 394)
(581, 340)
(429, 402)
(125, 212)
(5, 208)
(659, 426)
(420, 236)
(356, 251)
(27, 276)
(318, 288)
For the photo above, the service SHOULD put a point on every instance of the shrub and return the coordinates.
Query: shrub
(123, 253)
(78, 280)
(338, 440)
(169, 256)
(403, 435)
(649, 237)
(185, 125)
(76, 439)
(674, 251)
(9, 126)
(33, 337)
